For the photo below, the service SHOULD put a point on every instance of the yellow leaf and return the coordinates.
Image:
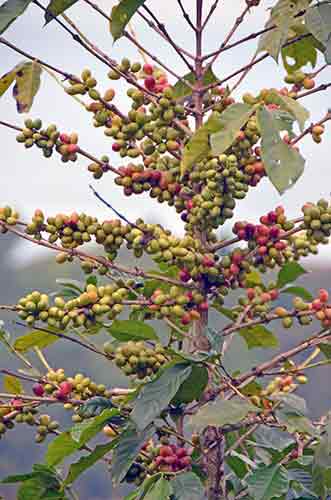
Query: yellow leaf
(12, 384)
(7, 79)
(27, 85)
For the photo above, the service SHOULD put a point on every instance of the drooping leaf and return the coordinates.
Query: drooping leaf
(156, 395)
(318, 22)
(292, 404)
(198, 146)
(34, 339)
(282, 17)
(299, 291)
(84, 463)
(127, 450)
(296, 423)
(60, 448)
(259, 336)
(193, 386)
(267, 482)
(230, 123)
(160, 490)
(283, 120)
(95, 406)
(275, 439)
(88, 429)
(187, 486)
(11, 10)
(181, 90)
(283, 164)
(302, 52)
(222, 412)
(124, 330)
(26, 86)
(290, 272)
(7, 79)
(121, 15)
(57, 7)
(293, 107)
(40, 484)
(12, 384)
(322, 456)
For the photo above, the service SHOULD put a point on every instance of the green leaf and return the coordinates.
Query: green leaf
(283, 164)
(88, 429)
(275, 439)
(31, 490)
(12, 384)
(296, 423)
(34, 339)
(124, 330)
(193, 386)
(17, 478)
(222, 412)
(160, 490)
(121, 15)
(57, 7)
(127, 449)
(95, 406)
(230, 123)
(258, 336)
(322, 455)
(302, 52)
(293, 107)
(290, 272)
(187, 486)
(318, 22)
(283, 16)
(26, 86)
(292, 404)
(283, 120)
(268, 482)
(156, 395)
(11, 10)
(224, 311)
(84, 463)
(299, 291)
(198, 146)
(326, 349)
(182, 90)
(60, 448)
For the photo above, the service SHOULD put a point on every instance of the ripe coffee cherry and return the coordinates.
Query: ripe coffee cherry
(323, 295)
(150, 83)
(148, 69)
(38, 390)
(65, 388)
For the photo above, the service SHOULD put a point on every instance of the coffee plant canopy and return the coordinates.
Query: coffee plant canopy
(185, 426)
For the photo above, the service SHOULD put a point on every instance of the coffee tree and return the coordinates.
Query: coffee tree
(186, 427)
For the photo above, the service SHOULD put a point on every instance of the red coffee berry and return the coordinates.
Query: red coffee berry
(150, 83)
(38, 390)
(323, 295)
(148, 69)
(65, 388)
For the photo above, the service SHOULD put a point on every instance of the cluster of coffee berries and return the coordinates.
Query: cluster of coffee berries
(125, 67)
(82, 86)
(45, 139)
(155, 80)
(83, 310)
(137, 179)
(258, 301)
(284, 383)
(8, 216)
(137, 358)
(58, 385)
(317, 221)
(300, 80)
(45, 426)
(67, 146)
(166, 456)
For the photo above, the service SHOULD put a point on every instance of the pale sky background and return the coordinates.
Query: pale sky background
(29, 181)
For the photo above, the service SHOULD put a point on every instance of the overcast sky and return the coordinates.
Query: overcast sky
(29, 181)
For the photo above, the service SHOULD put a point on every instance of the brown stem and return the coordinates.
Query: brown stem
(186, 15)
(209, 15)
